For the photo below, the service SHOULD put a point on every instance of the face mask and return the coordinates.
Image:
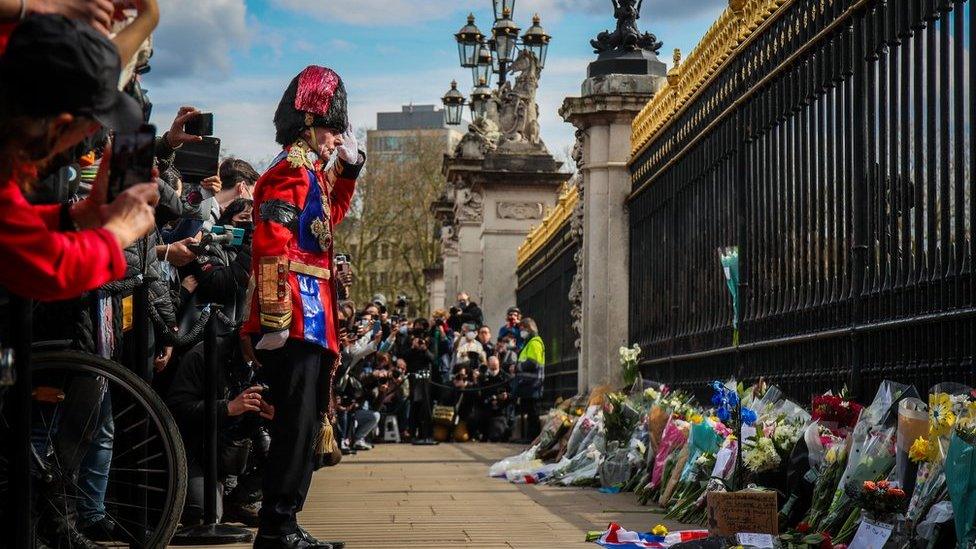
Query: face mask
(511, 346)
(470, 335)
(403, 330)
(525, 334)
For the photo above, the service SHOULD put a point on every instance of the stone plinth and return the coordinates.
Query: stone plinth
(498, 198)
(603, 114)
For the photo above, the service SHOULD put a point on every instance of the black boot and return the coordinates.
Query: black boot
(290, 541)
(320, 544)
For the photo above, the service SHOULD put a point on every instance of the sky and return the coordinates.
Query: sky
(235, 57)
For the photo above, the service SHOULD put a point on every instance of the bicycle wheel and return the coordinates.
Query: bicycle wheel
(146, 484)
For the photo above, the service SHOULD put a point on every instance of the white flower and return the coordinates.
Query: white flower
(761, 456)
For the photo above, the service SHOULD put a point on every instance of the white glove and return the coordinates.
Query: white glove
(349, 150)
(272, 341)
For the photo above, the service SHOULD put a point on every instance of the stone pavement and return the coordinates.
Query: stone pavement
(441, 496)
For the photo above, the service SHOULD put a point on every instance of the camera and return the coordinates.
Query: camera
(217, 236)
(401, 301)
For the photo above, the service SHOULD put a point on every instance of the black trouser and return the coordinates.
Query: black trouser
(529, 406)
(420, 419)
(298, 378)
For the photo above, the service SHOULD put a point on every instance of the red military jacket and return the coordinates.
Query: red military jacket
(297, 205)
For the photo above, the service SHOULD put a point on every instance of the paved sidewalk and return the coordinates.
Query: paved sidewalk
(441, 496)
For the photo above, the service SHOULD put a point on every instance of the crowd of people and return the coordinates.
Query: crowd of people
(403, 368)
(297, 357)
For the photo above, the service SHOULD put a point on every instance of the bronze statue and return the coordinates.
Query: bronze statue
(627, 37)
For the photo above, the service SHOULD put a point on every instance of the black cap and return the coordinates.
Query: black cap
(54, 64)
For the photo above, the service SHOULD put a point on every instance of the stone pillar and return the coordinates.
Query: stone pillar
(603, 114)
(469, 213)
(434, 281)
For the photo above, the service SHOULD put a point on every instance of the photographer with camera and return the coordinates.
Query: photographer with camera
(489, 420)
(392, 390)
(241, 431)
(356, 418)
(419, 361)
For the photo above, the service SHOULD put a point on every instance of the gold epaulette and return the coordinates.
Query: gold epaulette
(298, 155)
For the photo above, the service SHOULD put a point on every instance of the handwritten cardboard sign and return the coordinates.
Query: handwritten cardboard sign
(731, 513)
(871, 535)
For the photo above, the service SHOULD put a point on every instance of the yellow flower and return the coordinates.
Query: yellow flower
(659, 530)
(941, 416)
(920, 450)
(695, 418)
(968, 418)
(831, 456)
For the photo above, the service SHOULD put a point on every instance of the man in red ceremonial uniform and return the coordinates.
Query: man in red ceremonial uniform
(298, 202)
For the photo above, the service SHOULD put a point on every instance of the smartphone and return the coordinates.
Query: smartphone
(201, 124)
(133, 155)
(198, 161)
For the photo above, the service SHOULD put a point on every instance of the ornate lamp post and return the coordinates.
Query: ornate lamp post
(486, 56)
(454, 104)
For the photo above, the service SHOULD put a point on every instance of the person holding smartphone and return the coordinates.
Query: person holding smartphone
(58, 85)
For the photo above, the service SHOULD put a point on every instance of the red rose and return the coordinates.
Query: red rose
(827, 542)
(884, 485)
(803, 527)
(896, 493)
(870, 486)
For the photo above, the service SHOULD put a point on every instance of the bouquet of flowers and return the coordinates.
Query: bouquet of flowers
(881, 500)
(827, 479)
(960, 467)
(871, 452)
(760, 455)
(766, 454)
(619, 418)
(673, 437)
(948, 407)
(913, 424)
(835, 411)
(685, 505)
(628, 361)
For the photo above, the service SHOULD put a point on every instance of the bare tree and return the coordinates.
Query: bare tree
(391, 213)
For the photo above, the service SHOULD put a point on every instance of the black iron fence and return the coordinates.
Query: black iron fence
(836, 150)
(543, 294)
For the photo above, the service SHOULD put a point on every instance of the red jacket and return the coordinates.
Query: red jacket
(297, 206)
(39, 262)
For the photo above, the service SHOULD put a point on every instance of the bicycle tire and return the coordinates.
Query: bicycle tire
(158, 413)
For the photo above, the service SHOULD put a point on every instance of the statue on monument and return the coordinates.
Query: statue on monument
(470, 203)
(627, 37)
(449, 238)
(518, 113)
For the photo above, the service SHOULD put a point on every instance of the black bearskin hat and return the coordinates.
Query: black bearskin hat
(316, 97)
